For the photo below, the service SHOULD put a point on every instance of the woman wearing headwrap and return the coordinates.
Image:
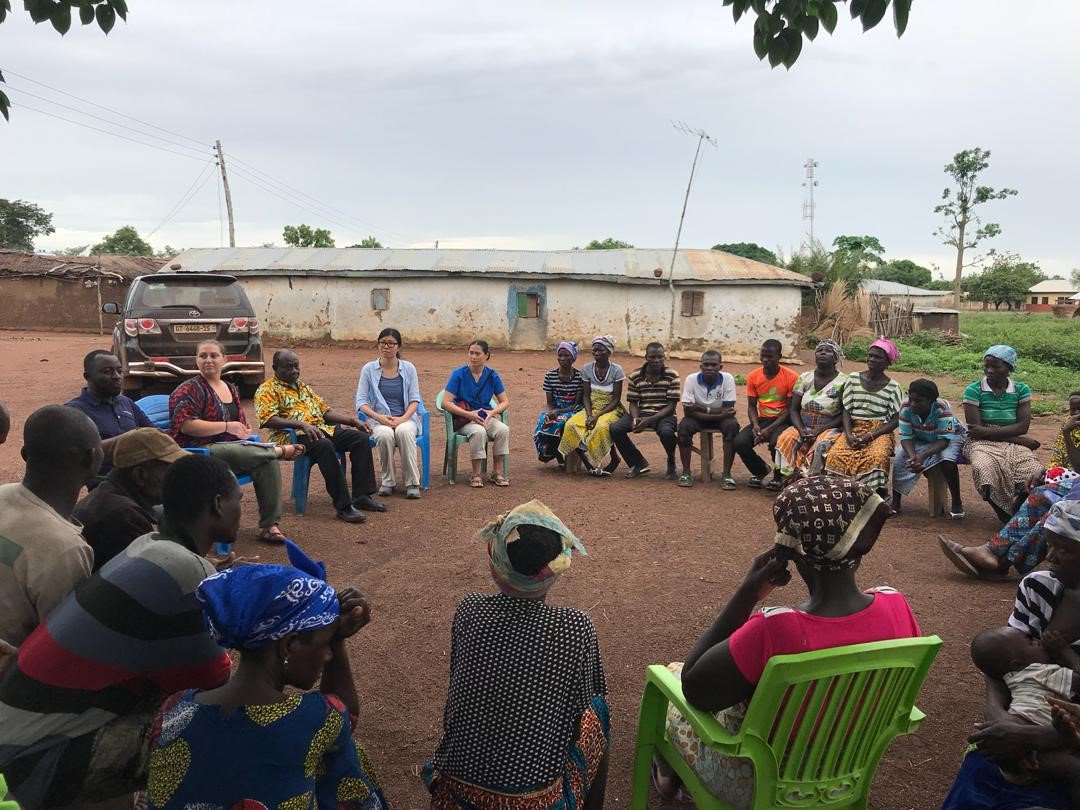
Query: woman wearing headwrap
(723, 669)
(564, 389)
(814, 413)
(998, 414)
(588, 432)
(871, 412)
(278, 748)
(526, 720)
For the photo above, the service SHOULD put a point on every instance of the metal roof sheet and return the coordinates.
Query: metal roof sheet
(635, 265)
(1060, 286)
(876, 285)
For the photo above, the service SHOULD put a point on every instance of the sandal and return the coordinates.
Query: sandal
(956, 516)
(754, 482)
(686, 480)
(599, 472)
(954, 551)
(290, 452)
(271, 534)
(476, 482)
(774, 485)
(498, 480)
(727, 483)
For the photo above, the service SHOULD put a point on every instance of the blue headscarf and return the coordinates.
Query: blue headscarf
(568, 346)
(252, 605)
(1006, 354)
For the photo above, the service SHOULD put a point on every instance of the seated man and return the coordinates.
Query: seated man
(768, 395)
(126, 504)
(77, 708)
(110, 411)
(42, 553)
(284, 401)
(652, 392)
(5, 422)
(708, 401)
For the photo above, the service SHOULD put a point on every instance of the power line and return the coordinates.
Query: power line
(108, 132)
(299, 204)
(100, 106)
(187, 196)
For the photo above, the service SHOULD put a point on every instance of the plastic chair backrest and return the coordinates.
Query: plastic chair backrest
(6, 803)
(503, 417)
(156, 408)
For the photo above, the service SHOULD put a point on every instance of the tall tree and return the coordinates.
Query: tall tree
(607, 244)
(21, 221)
(124, 242)
(958, 207)
(782, 24)
(749, 250)
(306, 236)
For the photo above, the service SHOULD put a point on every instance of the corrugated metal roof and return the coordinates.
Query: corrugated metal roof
(634, 266)
(875, 285)
(1060, 286)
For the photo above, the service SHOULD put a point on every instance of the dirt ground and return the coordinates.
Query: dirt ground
(662, 561)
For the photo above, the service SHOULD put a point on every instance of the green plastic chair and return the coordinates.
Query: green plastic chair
(815, 730)
(454, 440)
(6, 803)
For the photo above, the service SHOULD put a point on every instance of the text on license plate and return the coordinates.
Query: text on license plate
(196, 328)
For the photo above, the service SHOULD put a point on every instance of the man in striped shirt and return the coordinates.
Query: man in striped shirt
(652, 392)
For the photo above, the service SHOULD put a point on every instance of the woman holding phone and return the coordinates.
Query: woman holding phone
(470, 390)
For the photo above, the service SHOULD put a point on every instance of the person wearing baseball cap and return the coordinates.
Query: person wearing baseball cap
(125, 505)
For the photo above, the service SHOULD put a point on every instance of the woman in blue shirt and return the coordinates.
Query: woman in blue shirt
(470, 389)
(389, 394)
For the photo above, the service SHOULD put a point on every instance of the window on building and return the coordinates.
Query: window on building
(1046, 299)
(1034, 299)
(380, 299)
(1061, 299)
(528, 305)
(693, 303)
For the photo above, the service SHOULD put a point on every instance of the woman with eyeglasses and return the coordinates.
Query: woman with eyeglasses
(389, 394)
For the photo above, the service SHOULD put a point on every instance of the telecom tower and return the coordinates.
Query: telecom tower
(808, 202)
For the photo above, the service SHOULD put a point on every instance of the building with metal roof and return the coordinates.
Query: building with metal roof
(515, 298)
(1045, 295)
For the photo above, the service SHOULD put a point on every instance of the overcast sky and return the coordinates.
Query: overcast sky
(544, 124)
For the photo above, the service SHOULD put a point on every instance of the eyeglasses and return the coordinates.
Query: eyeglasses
(387, 344)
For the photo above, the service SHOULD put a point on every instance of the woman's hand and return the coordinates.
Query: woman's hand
(767, 572)
(1004, 740)
(590, 422)
(355, 612)
(1036, 480)
(236, 428)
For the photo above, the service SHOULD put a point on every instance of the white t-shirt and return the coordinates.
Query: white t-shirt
(1030, 686)
(695, 392)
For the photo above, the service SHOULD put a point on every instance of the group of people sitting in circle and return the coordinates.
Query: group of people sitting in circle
(114, 675)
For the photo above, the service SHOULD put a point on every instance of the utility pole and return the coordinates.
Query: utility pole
(702, 137)
(228, 196)
(808, 206)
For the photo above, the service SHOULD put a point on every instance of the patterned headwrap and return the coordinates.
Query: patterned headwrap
(832, 346)
(1006, 354)
(1064, 520)
(504, 530)
(830, 521)
(887, 346)
(605, 340)
(569, 346)
(249, 606)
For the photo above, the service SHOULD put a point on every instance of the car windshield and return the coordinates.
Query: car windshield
(162, 295)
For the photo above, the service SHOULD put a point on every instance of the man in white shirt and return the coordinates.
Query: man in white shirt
(708, 401)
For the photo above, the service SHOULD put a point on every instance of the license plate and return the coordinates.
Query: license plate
(195, 328)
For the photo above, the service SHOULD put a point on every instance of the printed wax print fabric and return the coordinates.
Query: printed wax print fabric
(816, 406)
(1059, 455)
(596, 442)
(564, 394)
(302, 404)
(869, 410)
(1020, 541)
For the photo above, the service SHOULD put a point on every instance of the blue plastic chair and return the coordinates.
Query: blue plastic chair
(423, 442)
(301, 475)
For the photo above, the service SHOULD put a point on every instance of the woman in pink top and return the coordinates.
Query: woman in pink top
(825, 524)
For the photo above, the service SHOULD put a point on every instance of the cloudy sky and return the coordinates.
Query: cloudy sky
(541, 124)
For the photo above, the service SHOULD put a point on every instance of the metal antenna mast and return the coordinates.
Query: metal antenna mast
(703, 137)
(808, 206)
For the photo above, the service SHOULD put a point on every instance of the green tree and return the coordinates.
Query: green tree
(1006, 281)
(905, 271)
(74, 250)
(21, 222)
(124, 242)
(607, 244)
(168, 252)
(368, 242)
(58, 12)
(864, 250)
(781, 24)
(305, 236)
(827, 268)
(958, 207)
(750, 250)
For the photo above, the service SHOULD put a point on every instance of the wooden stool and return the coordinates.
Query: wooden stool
(706, 453)
(938, 491)
(573, 463)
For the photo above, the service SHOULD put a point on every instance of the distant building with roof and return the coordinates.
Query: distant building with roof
(1043, 296)
(516, 299)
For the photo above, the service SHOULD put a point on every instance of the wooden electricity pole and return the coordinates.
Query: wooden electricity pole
(228, 196)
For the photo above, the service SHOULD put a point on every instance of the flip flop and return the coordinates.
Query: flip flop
(267, 535)
(952, 551)
(754, 483)
(686, 480)
(635, 472)
(956, 516)
(728, 483)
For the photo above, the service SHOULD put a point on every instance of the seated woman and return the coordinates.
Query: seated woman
(588, 432)
(1043, 601)
(280, 748)
(205, 412)
(930, 436)
(1019, 543)
(723, 669)
(563, 387)
(998, 414)
(526, 720)
(389, 394)
(871, 412)
(471, 388)
(815, 414)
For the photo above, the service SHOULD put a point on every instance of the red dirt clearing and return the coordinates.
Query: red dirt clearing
(662, 561)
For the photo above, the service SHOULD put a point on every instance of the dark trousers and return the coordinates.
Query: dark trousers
(620, 435)
(744, 446)
(324, 453)
(690, 426)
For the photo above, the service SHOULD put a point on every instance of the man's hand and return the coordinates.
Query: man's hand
(311, 433)
(642, 423)
(355, 612)
(767, 571)
(364, 426)
(232, 561)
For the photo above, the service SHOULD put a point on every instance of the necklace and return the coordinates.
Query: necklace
(601, 380)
